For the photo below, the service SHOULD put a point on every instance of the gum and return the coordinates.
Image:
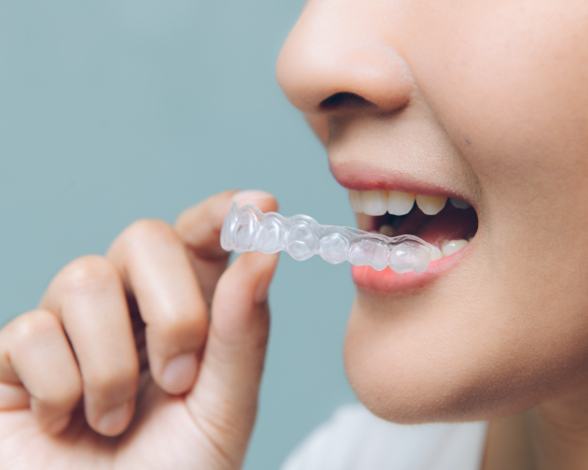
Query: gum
(246, 229)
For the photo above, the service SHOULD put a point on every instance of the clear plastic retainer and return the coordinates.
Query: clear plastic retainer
(246, 229)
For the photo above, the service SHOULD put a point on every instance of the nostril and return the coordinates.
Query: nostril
(344, 100)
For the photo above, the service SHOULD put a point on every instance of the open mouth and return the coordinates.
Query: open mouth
(447, 223)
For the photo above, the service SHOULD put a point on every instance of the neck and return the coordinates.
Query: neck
(551, 436)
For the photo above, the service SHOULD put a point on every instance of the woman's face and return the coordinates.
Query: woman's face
(485, 100)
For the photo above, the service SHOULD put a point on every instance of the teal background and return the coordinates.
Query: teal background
(115, 110)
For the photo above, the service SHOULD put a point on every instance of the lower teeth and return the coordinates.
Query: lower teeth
(445, 248)
(387, 230)
(450, 247)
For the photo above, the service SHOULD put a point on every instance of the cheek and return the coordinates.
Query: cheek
(514, 96)
(509, 327)
(508, 82)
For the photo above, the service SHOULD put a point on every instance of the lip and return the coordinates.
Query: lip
(364, 177)
(389, 282)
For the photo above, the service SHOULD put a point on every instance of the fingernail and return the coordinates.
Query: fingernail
(250, 197)
(179, 373)
(114, 421)
(58, 425)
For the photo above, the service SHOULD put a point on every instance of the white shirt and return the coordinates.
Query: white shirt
(355, 439)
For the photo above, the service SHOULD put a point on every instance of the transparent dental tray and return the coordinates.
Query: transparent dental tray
(246, 229)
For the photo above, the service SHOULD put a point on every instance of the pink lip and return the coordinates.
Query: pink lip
(363, 177)
(390, 282)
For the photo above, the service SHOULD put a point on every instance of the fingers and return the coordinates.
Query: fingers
(34, 352)
(81, 340)
(199, 228)
(89, 298)
(156, 267)
(229, 380)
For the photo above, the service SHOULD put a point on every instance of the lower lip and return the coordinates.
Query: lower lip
(390, 282)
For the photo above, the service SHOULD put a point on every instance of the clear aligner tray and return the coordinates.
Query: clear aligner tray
(246, 229)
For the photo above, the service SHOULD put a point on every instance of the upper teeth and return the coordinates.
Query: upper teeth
(374, 202)
(400, 203)
(379, 202)
(431, 205)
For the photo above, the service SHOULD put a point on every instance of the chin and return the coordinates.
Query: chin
(432, 366)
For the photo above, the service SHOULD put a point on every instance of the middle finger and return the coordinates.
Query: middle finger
(156, 268)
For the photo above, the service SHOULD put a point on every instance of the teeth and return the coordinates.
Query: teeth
(400, 203)
(453, 246)
(387, 230)
(458, 203)
(302, 237)
(436, 253)
(374, 202)
(430, 205)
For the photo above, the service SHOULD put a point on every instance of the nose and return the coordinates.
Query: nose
(331, 61)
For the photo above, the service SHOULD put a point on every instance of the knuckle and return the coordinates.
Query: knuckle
(203, 208)
(33, 324)
(88, 272)
(64, 396)
(112, 381)
(191, 322)
(149, 230)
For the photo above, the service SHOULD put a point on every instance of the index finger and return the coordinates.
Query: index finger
(199, 228)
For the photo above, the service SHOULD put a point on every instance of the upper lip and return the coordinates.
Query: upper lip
(362, 176)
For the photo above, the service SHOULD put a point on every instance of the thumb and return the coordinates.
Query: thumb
(224, 398)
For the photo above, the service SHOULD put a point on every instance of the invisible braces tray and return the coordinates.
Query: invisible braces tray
(246, 229)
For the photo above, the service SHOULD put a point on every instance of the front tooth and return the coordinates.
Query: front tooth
(431, 205)
(453, 246)
(355, 200)
(458, 203)
(374, 202)
(399, 202)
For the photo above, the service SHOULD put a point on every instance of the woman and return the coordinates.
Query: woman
(482, 102)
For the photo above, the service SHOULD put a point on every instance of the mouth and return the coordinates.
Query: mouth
(447, 223)
(444, 219)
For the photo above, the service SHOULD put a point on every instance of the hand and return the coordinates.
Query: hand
(147, 358)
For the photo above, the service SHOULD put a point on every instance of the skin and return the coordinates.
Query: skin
(487, 99)
(156, 338)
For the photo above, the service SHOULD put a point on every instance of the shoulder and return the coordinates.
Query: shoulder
(353, 438)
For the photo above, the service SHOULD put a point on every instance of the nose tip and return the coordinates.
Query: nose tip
(323, 71)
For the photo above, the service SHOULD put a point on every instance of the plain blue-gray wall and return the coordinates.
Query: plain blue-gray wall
(120, 109)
